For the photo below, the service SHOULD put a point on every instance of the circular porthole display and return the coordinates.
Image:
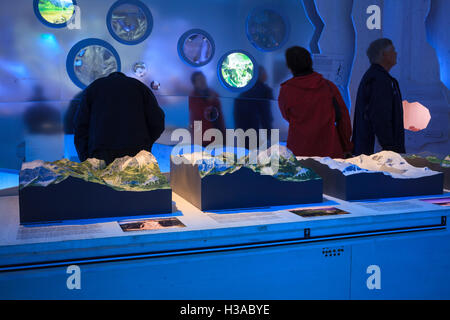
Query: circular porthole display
(54, 13)
(237, 70)
(129, 21)
(196, 47)
(266, 29)
(91, 59)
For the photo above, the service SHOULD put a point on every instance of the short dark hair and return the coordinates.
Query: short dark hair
(195, 75)
(299, 60)
(376, 49)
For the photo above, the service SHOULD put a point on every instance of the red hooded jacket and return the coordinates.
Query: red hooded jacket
(306, 102)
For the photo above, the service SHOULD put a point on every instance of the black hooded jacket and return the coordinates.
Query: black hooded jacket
(378, 113)
(117, 113)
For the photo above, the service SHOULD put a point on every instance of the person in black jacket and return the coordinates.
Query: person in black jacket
(118, 116)
(378, 118)
(252, 108)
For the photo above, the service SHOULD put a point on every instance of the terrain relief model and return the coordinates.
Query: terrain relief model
(387, 162)
(445, 163)
(432, 161)
(277, 161)
(138, 173)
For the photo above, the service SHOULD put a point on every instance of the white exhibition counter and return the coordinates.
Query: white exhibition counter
(260, 253)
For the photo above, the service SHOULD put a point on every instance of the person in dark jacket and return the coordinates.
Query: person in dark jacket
(205, 106)
(378, 118)
(318, 126)
(252, 107)
(118, 116)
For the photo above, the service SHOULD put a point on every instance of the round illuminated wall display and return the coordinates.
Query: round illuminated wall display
(196, 47)
(129, 21)
(91, 59)
(266, 29)
(54, 13)
(237, 70)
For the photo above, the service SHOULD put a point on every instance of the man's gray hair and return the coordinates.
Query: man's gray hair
(376, 49)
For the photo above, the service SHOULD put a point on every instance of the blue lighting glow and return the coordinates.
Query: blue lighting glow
(9, 178)
(49, 40)
(15, 68)
(435, 21)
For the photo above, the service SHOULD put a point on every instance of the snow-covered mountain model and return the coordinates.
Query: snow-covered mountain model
(138, 173)
(387, 162)
(216, 180)
(277, 161)
(382, 175)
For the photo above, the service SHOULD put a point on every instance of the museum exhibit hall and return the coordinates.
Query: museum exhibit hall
(224, 150)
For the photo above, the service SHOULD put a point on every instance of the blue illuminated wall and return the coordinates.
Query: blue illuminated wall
(419, 67)
(33, 56)
(436, 22)
(338, 36)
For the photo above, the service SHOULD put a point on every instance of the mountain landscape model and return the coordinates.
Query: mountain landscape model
(434, 162)
(138, 173)
(445, 162)
(277, 161)
(388, 162)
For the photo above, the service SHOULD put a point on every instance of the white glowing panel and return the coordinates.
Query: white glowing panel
(416, 117)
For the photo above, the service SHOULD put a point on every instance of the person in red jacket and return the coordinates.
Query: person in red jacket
(205, 106)
(319, 121)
